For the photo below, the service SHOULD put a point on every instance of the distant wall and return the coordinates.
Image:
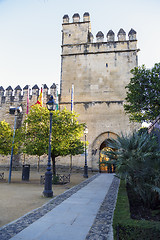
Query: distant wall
(17, 97)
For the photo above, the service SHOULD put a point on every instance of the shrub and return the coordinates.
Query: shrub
(137, 161)
(126, 228)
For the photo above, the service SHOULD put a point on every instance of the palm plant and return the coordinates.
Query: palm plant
(137, 161)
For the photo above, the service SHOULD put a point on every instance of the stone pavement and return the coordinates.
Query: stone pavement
(83, 212)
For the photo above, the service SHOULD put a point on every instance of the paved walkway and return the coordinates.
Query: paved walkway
(79, 216)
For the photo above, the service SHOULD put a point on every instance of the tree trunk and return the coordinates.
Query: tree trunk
(16, 161)
(70, 163)
(24, 158)
(54, 164)
(38, 164)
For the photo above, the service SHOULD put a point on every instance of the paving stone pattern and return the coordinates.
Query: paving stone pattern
(101, 228)
(10, 230)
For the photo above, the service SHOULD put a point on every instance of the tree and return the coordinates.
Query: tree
(143, 95)
(66, 133)
(6, 135)
(33, 132)
(137, 161)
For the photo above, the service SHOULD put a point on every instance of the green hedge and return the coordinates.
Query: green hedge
(126, 228)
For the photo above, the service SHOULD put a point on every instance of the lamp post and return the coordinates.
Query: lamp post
(15, 111)
(85, 166)
(51, 105)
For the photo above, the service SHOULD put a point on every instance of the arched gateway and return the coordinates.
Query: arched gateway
(98, 146)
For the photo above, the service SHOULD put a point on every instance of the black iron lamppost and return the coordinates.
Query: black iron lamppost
(85, 166)
(51, 105)
(15, 111)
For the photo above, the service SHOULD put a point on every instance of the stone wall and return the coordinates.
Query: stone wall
(17, 97)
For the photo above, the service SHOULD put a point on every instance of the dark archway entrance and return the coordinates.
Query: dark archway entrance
(105, 167)
(98, 144)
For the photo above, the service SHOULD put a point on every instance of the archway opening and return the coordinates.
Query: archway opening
(104, 165)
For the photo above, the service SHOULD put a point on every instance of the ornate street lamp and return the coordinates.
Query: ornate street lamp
(51, 105)
(15, 111)
(85, 166)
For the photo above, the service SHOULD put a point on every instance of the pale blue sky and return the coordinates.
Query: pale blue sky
(30, 34)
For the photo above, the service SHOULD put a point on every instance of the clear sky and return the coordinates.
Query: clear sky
(30, 34)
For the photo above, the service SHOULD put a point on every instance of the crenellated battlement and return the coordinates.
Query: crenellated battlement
(76, 18)
(111, 56)
(11, 96)
(18, 97)
(79, 32)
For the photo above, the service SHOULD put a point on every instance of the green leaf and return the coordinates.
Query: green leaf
(143, 94)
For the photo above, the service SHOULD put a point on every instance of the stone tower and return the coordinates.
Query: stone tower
(99, 71)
